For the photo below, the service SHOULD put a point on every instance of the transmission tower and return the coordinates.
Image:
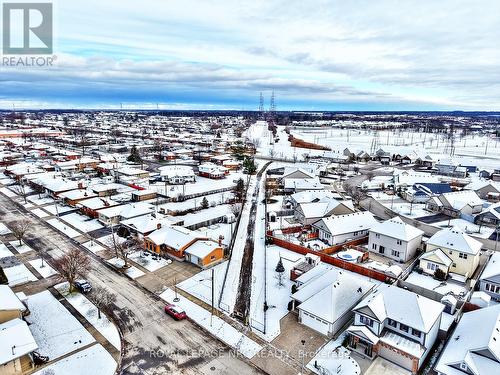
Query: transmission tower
(272, 106)
(261, 106)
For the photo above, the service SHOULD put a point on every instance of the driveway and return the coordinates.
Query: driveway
(382, 366)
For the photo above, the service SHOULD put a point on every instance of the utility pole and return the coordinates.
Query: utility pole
(213, 291)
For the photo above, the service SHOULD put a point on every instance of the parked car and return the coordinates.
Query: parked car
(83, 286)
(175, 312)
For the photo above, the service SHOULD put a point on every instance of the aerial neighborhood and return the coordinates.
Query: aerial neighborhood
(321, 244)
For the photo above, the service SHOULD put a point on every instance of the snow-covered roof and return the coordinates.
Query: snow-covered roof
(342, 224)
(303, 183)
(403, 306)
(147, 223)
(439, 254)
(16, 340)
(77, 194)
(332, 294)
(492, 268)
(175, 237)
(202, 248)
(9, 300)
(460, 199)
(397, 228)
(474, 343)
(455, 239)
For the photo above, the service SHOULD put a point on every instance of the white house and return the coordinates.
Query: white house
(177, 174)
(335, 230)
(396, 324)
(462, 249)
(395, 239)
(474, 347)
(310, 212)
(326, 299)
(489, 281)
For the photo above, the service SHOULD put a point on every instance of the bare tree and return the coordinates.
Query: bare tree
(19, 229)
(75, 263)
(236, 209)
(126, 248)
(370, 175)
(102, 299)
(20, 189)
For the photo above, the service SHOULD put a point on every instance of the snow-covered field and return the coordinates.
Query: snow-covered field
(89, 311)
(64, 228)
(93, 360)
(40, 213)
(40, 201)
(43, 268)
(18, 274)
(216, 326)
(131, 271)
(83, 223)
(55, 330)
(331, 357)
(146, 260)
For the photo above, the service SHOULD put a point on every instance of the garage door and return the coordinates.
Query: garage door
(312, 322)
(395, 357)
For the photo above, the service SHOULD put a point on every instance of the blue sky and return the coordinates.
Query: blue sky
(316, 55)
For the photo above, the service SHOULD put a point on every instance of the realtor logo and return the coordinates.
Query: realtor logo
(27, 28)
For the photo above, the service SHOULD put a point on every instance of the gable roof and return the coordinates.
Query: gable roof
(9, 300)
(397, 228)
(455, 239)
(403, 306)
(478, 348)
(16, 340)
(492, 268)
(438, 256)
(348, 223)
(174, 237)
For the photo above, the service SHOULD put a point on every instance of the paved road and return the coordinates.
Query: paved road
(153, 343)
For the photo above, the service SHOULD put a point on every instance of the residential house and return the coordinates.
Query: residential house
(92, 206)
(430, 261)
(309, 212)
(489, 216)
(212, 171)
(464, 203)
(396, 324)
(422, 192)
(171, 240)
(204, 253)
(395, 239)
(295, 185)
(489, 281)
(143, 195)
(325, 299)
(177, 174)
(335, 230)
(113, 215)
(473, 348)
(11, 306)
(72, 197)
(462, 249)
(489, 190)
(141, 226)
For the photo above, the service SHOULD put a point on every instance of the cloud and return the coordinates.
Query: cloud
(388, 54)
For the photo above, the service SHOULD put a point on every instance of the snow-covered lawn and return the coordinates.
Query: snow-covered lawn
(4, 229)
(131, 271)
(40, 201)
(4, 251)
(219, 328)
(19, 274)
(468, 227)
(89, 311)
(83, 223)
(108, 240)
(55, 330)
(60, 209)
(22, 248)
(39, 213)
(45, 270)
(93, 246)
(8, 192)
(331, 357)
(428, 282)
(406, 209)
(146, 260)
(64, 228)
(93, 360)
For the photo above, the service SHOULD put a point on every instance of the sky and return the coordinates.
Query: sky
(220, 54)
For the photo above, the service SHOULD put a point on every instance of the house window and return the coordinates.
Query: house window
(212, 257)
(374, 246)
(399, 242)
(377, 235)
(381, 249)
(395, 253)
(454, 265)
(431, 266)
(392, 323)
(416, 333)
(366, 321)
(403, 327)
(462, 255)
(355, 233)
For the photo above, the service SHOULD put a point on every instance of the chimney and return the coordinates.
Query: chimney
(80, 185)
(221, 237)
(158, 226)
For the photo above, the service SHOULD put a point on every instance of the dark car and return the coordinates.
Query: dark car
(83, 286)
(175, 312)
